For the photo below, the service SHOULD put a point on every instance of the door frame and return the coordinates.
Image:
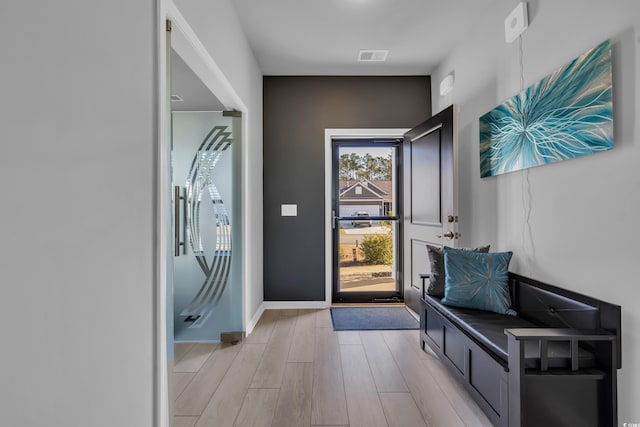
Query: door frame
(368, 296)
(329, 135)
(184, 41)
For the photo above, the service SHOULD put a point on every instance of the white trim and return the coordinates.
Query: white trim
(187, 44)
(162, 405)
(279, 305)
(329, 135)
(185, 41)
(254, 320)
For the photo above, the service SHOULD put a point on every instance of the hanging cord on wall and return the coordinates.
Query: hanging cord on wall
(525, 189)
(521, 63)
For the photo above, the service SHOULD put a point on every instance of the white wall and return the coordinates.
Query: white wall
(217, 26)
(77, 217)
(584, 232)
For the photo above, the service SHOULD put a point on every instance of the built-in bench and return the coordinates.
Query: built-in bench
(553, 364)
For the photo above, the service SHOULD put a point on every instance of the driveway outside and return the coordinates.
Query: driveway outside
(360, 276)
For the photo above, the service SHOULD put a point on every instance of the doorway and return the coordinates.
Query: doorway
(210, 254)
(366, 212)
(428, 195)
(354, 136)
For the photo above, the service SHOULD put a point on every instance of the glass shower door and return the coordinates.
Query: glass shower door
(207, 283)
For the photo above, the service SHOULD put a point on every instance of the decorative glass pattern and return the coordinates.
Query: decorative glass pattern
(200, 187)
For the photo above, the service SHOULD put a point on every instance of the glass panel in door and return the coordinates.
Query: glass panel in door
(367, 258)
(207, 285)
(366, 231)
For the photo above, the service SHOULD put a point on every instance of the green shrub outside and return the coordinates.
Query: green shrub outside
(377, 248)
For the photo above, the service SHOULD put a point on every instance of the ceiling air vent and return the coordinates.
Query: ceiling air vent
(373, 55)
(176, 98)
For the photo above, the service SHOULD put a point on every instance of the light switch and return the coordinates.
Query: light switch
(289, 210)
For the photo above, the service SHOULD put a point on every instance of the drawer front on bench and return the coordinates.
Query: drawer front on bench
(434, 327)
(485, 378)
(489, 379)
(454, 346)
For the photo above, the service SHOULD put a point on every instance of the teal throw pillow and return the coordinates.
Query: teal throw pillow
(477, 280)
(436, 263)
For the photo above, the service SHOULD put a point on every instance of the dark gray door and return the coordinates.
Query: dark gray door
(430, 207)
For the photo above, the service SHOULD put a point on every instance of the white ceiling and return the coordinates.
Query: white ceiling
(184, 83)
(323, 37)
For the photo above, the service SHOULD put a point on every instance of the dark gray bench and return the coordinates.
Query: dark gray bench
(554, 364)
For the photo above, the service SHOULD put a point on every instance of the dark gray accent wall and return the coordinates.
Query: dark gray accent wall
(297, 110)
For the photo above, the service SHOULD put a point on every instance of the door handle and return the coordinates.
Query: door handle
(177, 196)
(449, 235)
(335, 219)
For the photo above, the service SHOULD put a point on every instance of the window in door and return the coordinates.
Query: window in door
(367, 265)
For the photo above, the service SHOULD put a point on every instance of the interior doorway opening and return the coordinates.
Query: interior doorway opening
(179, 38)
(367, 263)
(361, 220)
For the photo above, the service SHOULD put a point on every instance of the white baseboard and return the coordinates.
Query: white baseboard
(276, 305)
(254, 319)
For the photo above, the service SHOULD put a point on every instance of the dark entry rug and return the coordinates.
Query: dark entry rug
(372, 318)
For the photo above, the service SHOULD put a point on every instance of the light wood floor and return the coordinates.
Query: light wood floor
(295, 370)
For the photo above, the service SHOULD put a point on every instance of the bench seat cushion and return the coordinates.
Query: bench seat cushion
(487, 329)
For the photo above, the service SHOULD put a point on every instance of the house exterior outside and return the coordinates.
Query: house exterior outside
(373, 197)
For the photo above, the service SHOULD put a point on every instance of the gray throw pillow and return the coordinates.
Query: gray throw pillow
(436, 260)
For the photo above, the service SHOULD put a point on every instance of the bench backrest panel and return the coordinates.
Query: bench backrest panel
(555, 311)
(555, 307)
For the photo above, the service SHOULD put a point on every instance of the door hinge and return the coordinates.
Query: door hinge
(168, 23)
(232, 113)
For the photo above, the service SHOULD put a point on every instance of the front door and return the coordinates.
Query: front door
(430, 208)
(366, 227)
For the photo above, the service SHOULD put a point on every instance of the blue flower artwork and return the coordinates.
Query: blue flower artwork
(565, 115)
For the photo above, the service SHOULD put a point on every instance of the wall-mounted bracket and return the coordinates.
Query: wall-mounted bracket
(516, 22)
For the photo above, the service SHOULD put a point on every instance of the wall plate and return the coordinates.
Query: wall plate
(289, 210)
(516, 23)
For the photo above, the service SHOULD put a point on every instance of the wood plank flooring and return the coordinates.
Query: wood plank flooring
(294, 370)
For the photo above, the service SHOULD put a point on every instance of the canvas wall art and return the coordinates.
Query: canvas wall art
(565, 115)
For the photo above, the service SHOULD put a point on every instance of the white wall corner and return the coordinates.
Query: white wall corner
(254, 320)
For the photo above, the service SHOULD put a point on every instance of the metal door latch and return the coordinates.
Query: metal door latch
(449, 235)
